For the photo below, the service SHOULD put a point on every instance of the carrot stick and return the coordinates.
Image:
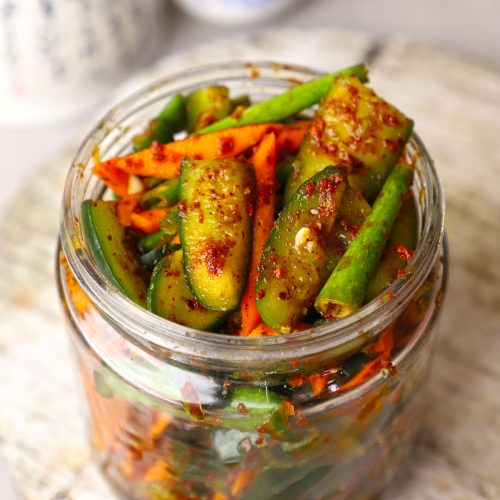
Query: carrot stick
(383, 346)
(163, 160)
(290, 138)
(113, 177)
(124, 208)
(149, 220)
(242, 481)
(264, 161)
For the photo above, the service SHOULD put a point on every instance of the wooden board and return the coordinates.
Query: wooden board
(456, 106)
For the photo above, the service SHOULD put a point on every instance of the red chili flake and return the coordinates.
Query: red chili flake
(400, 273)
(295, 363)
(404, 253)
(226, 145)
(301, 420)
(259, 441)
(157, 151)
(215, 254)
(250, 208)
(309, 189)
(297, 381)
(261, 294)
(393, 144)
(182, 207)
(109, 237)
(391, 120)
(168, 273)
(282, 295)
(133, 163)
(190, 304)
(242, 408)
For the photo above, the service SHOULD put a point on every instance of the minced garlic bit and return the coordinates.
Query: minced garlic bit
(134, 185)
(301, 237)
(304, 238)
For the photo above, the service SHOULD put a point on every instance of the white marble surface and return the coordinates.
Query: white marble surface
(468, 26)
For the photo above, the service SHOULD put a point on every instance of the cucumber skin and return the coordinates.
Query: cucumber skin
(292, 271)
(170, 297)
(356, 128)
(404, 232)
(215, 229)
(116, 262)
(206, 106)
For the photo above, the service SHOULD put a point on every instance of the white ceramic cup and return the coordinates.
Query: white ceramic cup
(58, 57)
(234, 12)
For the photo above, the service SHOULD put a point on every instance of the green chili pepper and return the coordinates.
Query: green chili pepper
(344, 291)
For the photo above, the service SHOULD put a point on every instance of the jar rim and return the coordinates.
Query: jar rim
(147, 328)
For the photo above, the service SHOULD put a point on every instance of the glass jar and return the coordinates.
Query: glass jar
(329, 412)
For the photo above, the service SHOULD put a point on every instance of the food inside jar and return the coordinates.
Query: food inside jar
(265, 248)
(259, 222)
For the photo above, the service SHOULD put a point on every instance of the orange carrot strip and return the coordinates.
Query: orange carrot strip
(149, 220)
(218, 495)
(383, 346)
(124, 208)
(79, 298)
(163, 160)
(242, 481)
(113, 177)
(318, 382)
(159, 472)
(290, 138)
(264, 161)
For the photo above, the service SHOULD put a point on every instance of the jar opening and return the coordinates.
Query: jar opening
(112, 138)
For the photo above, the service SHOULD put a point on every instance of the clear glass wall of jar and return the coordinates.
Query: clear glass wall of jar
(179, 413)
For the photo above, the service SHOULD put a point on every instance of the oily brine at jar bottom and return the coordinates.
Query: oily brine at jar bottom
(150, 448)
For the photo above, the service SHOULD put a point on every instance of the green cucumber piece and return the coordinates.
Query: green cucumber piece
(206, 106)
(355, 127)
(170, 297)
(107, 243)
(262, 410)
(295, 261)
(215, 229)
(353, 212)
